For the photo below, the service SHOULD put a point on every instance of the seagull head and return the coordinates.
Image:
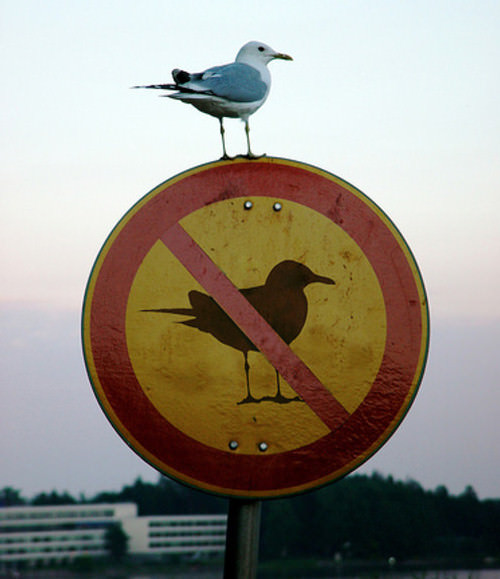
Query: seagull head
(255, 53)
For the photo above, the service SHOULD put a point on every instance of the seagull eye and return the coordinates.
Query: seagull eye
(261, 49)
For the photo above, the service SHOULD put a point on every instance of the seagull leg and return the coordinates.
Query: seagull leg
(249, 154)
(247, 133)
(222, 132)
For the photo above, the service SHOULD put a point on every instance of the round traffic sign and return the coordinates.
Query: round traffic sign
(255, 328)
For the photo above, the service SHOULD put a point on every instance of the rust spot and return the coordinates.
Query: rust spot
(335, 212)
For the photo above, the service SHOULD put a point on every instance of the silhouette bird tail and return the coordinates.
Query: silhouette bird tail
(180, 311)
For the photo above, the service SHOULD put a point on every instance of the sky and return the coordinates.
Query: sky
(398, 98)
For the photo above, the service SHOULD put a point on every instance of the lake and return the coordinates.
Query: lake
(217, 574)
(480, 574)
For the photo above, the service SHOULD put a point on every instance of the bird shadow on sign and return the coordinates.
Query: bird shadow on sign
(281, 301)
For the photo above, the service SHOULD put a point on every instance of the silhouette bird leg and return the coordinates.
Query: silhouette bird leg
(278, 388)
(278, 397)
(249, 397)
(222, 132)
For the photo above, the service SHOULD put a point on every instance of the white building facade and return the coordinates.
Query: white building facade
(59, 534)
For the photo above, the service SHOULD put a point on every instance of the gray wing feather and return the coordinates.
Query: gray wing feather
(236, 82)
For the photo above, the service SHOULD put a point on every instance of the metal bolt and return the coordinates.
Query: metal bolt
(263, 446)
(247, 205)
(277, 206)
(233, 445)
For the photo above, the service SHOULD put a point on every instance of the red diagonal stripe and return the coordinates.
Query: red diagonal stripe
(237, 307)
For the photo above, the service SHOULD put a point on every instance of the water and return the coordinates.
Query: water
(484, 574)
(217, 574)
(489, 574)
(480, 574)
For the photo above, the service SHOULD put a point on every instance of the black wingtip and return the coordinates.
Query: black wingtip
(180, 76)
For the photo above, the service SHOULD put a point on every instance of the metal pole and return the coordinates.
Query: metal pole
(242, 539)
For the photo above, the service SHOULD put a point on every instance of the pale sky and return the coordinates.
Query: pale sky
(398, 98)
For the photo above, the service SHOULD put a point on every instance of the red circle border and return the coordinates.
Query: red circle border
(190, 461)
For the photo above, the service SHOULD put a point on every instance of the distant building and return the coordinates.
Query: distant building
(58, 534)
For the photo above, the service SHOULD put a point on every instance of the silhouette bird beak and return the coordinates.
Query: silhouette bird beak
(322, 279)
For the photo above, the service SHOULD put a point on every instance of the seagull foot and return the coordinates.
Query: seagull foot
(251, 156)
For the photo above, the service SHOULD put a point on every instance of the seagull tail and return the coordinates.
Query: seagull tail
(160, 86)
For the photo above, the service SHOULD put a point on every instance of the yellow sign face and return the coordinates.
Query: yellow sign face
(255, 328)
(196, 381)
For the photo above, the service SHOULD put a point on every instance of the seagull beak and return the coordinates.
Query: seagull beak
(282, 56)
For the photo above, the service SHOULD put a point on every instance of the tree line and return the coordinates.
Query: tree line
(358, 517)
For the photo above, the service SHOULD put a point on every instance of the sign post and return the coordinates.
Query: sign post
(242, 539)
(255, 329)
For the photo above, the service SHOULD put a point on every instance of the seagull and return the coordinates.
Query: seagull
(233, 90)
(280, 301)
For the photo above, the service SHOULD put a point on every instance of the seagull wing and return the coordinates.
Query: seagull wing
(235, 82)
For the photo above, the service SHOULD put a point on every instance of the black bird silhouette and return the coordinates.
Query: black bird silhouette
(280, 301)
